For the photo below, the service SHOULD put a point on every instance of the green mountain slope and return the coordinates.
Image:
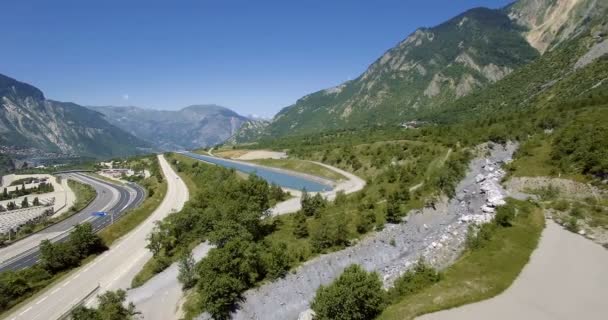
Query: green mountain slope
(429, 68)
(29, 121)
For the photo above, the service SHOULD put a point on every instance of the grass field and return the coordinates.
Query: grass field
(481, 273)
(533, 159)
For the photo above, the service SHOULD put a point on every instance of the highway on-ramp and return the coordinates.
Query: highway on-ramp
(111, 198)
(112, 270)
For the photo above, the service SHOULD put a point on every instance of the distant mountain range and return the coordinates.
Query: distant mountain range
(30, 124)
(188, 128)
(435, 70)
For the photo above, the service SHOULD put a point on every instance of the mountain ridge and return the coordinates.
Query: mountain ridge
(190, 127)
(29, 120)
(435, 66)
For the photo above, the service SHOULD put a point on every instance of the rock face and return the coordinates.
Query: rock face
(188, 128)
(437, 235)
(550, 23)
(250, 131)
(29, 121)
(431, 67)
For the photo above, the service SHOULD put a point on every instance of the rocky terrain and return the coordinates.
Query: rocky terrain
(437, 235)
(249, 131)
(188, 128)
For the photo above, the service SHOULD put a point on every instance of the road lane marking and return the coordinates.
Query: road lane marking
(41, 300)
(65, 284)
(55, 291)
(26, 310)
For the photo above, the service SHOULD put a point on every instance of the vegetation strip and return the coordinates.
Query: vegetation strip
(496, 254)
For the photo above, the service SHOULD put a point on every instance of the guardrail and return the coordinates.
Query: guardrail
(68, 314)
(71, 171)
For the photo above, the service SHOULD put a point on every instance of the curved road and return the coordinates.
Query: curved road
(565, 279)
(112, 270)
(111, 198)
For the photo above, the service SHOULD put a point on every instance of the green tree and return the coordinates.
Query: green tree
(300, 227)
(36, 202)
(393, 210)
(55, 257)
(355, 295)
(25, 203)
(85, 241)
(111, 307)
(275, 260)
(219, 295)
(187, 274)
(504, 216)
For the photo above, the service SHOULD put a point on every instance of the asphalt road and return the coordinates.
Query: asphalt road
(112, 270)
(565, 279)
(111, 198)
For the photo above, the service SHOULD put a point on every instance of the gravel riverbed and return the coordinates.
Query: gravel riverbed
(436, 234)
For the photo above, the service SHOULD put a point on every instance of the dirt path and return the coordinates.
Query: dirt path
(566, 278)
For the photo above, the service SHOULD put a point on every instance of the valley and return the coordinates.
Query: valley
(461, 174)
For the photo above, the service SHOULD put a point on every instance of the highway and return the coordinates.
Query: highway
(112, 270)
(111, 198)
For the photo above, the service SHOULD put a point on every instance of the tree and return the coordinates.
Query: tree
(187, 274)
(219, 295)
(55, 257)
(85, 241)
(355, 295)
(366, 221)
(36, 202)
(11, 205)
(305, 203)
(393, 210)
(275, 260)
(300, 227)
(25, 203)
(12, 286)
(111, 307)
(504, 216)
(5, 194)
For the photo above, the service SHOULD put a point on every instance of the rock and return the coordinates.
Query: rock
(582, 232)
(307, 315)
(487, 209)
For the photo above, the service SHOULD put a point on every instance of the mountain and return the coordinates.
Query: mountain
(434, 67)
(430, 67)
(249, 131)
(191, 127)
(29, 121)
(549, 23)
(572, 68)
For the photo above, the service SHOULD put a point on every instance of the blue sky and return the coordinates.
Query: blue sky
(254, 56)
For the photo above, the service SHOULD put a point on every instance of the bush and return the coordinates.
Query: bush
(355, 295)
(477, 237)
(504, 216)
(414, 280)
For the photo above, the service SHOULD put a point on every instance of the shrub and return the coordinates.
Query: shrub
(355, 295)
